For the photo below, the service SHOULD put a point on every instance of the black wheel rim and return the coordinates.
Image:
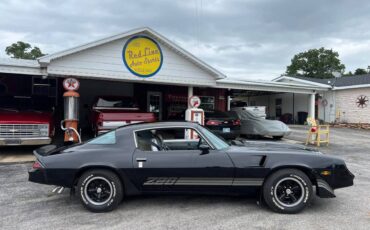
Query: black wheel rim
(289, 192)
(98, 190)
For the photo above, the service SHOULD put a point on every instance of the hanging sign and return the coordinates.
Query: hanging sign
(142, 56)
(194, 102)
(71, 84)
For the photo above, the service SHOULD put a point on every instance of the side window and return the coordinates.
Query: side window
(168, 139)
(105, 139)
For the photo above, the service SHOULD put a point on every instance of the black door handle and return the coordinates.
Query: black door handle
(140, 159)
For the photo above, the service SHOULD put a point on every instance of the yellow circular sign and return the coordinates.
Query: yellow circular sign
(142, 56)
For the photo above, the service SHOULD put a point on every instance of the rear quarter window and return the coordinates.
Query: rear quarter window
(105, 139)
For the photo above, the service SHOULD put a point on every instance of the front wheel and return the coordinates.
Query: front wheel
(99, 190)
(288, 191)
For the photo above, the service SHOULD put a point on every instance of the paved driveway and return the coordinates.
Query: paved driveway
(25, 205)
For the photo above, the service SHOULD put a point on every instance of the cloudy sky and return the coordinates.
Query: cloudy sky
(253, 39)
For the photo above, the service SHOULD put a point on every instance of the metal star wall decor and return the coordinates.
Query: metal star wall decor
(362, 101)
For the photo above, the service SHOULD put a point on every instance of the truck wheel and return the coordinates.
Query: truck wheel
(287, 191)
(99, 190)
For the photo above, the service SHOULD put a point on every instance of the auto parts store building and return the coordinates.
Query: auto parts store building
(160, 77)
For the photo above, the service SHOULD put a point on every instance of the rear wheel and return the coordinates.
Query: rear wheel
(99, 190)
(287, 191)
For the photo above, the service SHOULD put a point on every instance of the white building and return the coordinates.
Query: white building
(340, 100)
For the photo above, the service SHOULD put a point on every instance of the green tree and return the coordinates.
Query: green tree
(360, 71)
(315, 63)
(23, 50)
(348, 74)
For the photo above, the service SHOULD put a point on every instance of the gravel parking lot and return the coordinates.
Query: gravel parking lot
(25, 205)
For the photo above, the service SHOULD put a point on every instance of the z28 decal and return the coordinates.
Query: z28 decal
(203, 181)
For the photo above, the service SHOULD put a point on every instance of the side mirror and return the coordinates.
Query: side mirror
(204, 148)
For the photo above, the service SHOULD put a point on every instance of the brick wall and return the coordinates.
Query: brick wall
(346, 106)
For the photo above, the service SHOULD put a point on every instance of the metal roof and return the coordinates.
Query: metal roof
(271, 86)
(20, 66)
(342, 81)
(19, 62)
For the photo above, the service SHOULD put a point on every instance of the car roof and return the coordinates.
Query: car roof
(162, 124)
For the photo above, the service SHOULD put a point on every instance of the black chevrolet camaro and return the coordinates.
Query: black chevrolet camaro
(150, 158)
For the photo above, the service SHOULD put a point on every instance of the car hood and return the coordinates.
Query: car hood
(24, 117)
(270, 147)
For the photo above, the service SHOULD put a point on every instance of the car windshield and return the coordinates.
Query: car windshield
(116, 103)
(217, 142)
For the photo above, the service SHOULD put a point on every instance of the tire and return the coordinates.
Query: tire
(99, 190)
(277, 137)
(287, 191)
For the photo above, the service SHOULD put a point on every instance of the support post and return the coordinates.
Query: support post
(293, 109)
(190, 94)
(311, 104)
(228, 98)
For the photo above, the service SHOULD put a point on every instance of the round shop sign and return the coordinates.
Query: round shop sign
(194, 102)
(324, 102)
(71, 84)
(142, 56)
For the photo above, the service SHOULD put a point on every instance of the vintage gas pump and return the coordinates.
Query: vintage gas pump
(71, 107)
(195, 114)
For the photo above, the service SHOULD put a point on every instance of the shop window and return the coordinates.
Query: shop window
(17, 85)
(44, 87)
(3, 88)
(207, 103)
(176, 107)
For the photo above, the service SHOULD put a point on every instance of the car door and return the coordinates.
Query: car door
(182, 170)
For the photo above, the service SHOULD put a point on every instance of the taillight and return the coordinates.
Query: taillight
(213, 122)
(36, 165)
(236, 122)
(100, 119)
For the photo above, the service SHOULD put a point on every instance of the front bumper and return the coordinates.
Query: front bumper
(25, 141)
(341, 177)
(324, 190)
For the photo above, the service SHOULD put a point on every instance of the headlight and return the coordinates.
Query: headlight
(44, 130)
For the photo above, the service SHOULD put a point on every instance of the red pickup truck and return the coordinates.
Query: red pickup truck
(24, 126)
(109, 112)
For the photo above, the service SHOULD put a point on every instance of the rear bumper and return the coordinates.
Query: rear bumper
(37, 176)
(58, 177)
(25, 141)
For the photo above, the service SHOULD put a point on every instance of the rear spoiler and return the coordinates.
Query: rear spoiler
(51, 150)
(44, 150)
